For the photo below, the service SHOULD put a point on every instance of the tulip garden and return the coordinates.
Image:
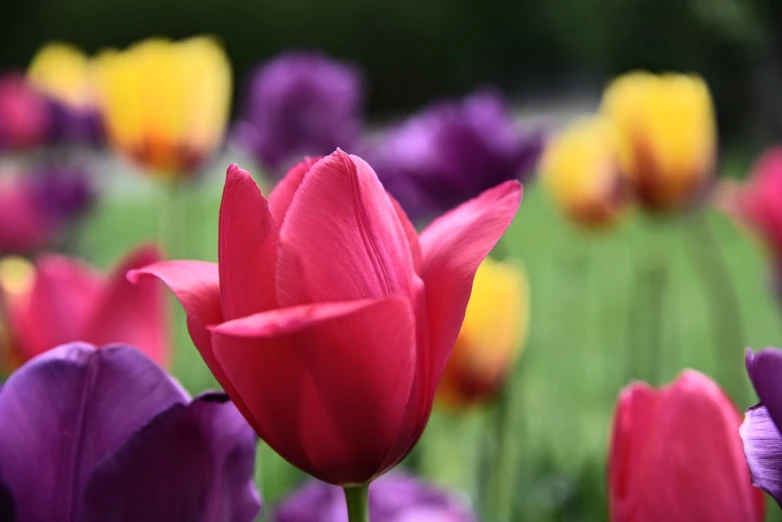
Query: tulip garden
(287, 313)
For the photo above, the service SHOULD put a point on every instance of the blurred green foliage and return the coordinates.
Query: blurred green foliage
(413, 51)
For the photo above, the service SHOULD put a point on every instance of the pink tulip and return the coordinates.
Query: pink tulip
(676, 456)
(24, 226)
(328, 320)
(68, 300)
(759, 202)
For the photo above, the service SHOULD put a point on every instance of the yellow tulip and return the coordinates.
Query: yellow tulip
(166, 104)
(666, 136)
(63, 72)
(16, 278)
(580, 171)
(492, 336)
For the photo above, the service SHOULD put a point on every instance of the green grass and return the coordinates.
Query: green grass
(583, 290)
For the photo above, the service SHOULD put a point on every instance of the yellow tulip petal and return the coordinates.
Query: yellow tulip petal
(492, 335)
(579, 170)
(166, 104)
(666, 134)
(62, 71)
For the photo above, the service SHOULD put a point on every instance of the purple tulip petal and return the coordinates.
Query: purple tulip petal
(452, 151)
(66, 410)
(7, 505)
(300, 104)
(763, 449)
(191, 463)
(765, 372)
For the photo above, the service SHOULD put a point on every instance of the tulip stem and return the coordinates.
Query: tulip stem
(357, 499)
(169, 217)
(647, 311)
(710, 263)
(498, 504)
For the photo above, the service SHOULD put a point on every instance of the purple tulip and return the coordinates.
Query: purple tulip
(63, 192)
(75, 125)
(451, 152)
(395, 497)
(105, 435)
(300, 104)
(763, 422)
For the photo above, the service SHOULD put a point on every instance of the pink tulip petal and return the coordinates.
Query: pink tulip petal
(453, 246)
(411, 233)
(636, 415)
(281, 197)
(329, 383)
(341, 239)
(697, 417)
(135, 315)
(57, 308)
(247, 247)
(196, 284)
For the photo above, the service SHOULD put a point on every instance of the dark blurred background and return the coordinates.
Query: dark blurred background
(413, 51)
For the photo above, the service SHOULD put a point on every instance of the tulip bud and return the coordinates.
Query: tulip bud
(492, 335)
(676, 455)
(580, 171)
(666, 136)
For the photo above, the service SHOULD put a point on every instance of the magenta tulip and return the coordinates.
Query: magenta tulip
(328, 320)
(676, 455)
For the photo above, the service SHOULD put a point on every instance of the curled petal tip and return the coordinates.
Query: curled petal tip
(133, 275)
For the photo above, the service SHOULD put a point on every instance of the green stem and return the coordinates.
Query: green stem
(646, 325)
(501, 485)
(710, 263)
(357, 499)
(169, 218)
(658, 284)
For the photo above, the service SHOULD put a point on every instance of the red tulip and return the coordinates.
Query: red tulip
(67, 300)
(676, 455)
(328, 319)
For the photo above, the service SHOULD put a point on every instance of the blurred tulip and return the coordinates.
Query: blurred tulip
(165, 105)
(61, 191)
(25, 116)
(453, 151)
(65, 74)
(99, 435)
(666, 136)
(24, 226)
(758, 205)
(396, 497)
(300, 104)
(37, 208)
(491, 337)
(580, 171)
(762, 423)
(676, 455)
(325, 296)
(65, 300)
